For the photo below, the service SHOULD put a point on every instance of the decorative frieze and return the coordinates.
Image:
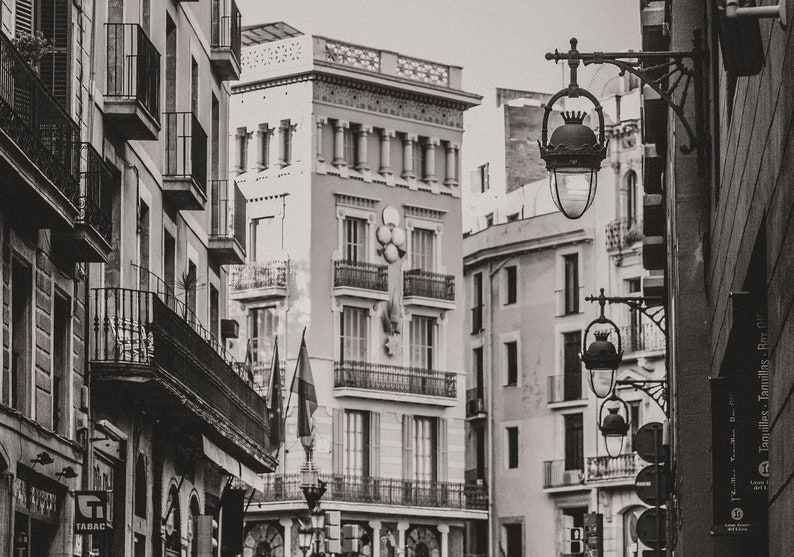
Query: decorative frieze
(420, 70)
(424, 212)
(267, 55)
(352, 55)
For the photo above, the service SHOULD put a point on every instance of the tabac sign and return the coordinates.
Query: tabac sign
(90, 512)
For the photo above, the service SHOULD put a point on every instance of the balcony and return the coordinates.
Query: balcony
(623, 234)
(571, 387)
(350, 378)
(227, 227)
(185, 173)
(424, 288)
(379, 491)
(356, 278)
(555, 475)
(226, 39)
(643, 337)
(142, 348)
(39, 147)
(132, 94)
(624, 468)
(475, 403)
(91, 237)
(259, 281)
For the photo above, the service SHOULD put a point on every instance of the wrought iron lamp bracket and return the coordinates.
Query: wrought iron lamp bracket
(655, 313)
(673, 76)
(654, 388)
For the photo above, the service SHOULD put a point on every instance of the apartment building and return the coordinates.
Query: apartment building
(349, 159)
(532, 435)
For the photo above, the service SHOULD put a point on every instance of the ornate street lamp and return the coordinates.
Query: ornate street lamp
(613, 425)
(305, 539)
(601, 357)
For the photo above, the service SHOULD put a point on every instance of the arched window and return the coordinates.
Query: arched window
(140, 486)
(422, 541)
(264, 540)
(631, 199)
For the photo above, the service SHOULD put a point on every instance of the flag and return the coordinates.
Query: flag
(249, 363)
(275, 402)
(303, 385)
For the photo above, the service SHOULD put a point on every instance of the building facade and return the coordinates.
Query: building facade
(118, 222)
(532, 434)
(348, 157)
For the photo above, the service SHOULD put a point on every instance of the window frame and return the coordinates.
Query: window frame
(512, 447)
(508, 299)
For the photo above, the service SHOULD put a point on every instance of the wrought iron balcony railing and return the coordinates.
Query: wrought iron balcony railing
(556, 475)
(226, 26)
(272, 274)
(94, 208)
(357, 274)
(604, 468)
(185, 148)
(381, 491)
(395, 379)
(623, 233)
(428, 285)
(475, 402)
(566, 387)
(642, 337)
(228, 211)
(39, 125)
(133, 66)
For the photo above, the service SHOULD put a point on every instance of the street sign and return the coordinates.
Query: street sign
(90, 512)
(649, 531)
(645, 485)
(646, 440)
(574, 540)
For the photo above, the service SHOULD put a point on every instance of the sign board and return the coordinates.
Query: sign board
(645, 442)
(90, 512)
(645, 485)
(651, 533)
(594, 534)
(740, 427)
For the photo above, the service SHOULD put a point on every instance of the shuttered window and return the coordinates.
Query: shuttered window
(423, 332)
(356, 444)
(355, 240)
(54, 67)
(423, 249)
(354, 325)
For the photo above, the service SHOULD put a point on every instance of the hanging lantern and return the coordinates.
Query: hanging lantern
(613, 425)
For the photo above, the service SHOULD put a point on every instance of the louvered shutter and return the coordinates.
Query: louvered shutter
(441, 439)
(23, 17)
(374, 444)
(408, 447)
(338, 435)
(54, 67)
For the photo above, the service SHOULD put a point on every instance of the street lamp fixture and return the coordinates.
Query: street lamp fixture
(305, 539)
(601, 357)
(42, 458)
(613, 425)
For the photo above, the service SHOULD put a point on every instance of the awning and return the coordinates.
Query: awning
(232, 465)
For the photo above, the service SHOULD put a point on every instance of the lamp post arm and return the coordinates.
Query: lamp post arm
(654, 388)
(655, 313)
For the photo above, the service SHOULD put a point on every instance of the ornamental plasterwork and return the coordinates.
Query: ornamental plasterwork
(424, 212)
(419, 70)
(271, 54)
(385, 103)
(352, 55)
(355, 201)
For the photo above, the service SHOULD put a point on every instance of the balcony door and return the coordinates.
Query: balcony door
(574, 442)
(354, 338)
(356, 444)
(423, 342)
(425, 465)
(423, 249)
(264, 326)
(572, 366)
(355, 240)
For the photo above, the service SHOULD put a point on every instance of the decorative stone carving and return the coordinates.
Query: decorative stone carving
(352, 55)
(419, 70)
(273, 54)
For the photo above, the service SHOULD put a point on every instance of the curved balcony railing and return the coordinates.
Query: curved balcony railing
(382, 491)
(429, 285)
(395, 379)
(356, 274)
(93, 209)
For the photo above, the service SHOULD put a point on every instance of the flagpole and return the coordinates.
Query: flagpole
(292, 384)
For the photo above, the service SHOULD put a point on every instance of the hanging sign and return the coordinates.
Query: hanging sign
(90, 512)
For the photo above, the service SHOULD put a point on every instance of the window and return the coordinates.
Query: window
(264, 327)
(286, 142)
(356, 444)
(511, 277)
(489, 220)
(425, 449)
(511, 359)
(512, 217)
(634, 423)
(215, 147)
(574, 442)
(634, 286)
(143, 245)
(21, 307)
(194, 86)
(422, 339)
(512, 447)
(53, 21)
(242, 149)
(354, 340)
(170, 64)
(476, 310)
(513, 540)
(631, 199)
(423, 249)
(572, 365)
(419, 158)
(190, 285)
(479, 374)
(263, 150)
(215, 323)
(571, 264)
(482, 178)
(140, 486)
(355, 240)
(61, 362)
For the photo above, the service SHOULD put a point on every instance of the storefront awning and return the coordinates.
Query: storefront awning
(232, 465)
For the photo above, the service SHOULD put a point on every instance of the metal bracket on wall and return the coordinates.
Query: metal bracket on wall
(654, 388)
(650, 306)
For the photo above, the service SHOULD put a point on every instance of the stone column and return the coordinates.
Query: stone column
(401, 528)
(375, 525)
(430, 160)
(452, 177)
(286, 522)
(339, 143)
(385, 152)
(444, 529)
(361, 147)
(320, 122)
(408, 157)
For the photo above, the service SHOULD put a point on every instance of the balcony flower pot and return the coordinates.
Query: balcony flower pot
(32, 48)
(633, 236)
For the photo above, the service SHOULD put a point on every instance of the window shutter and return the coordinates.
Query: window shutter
(443, 463)
(338, 435)
(54, 67)
(408, 446)
(24, 17)
(374, 444)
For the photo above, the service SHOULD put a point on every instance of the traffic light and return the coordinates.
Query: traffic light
(206, 535)
(333, 533)
(351, 538)
(574, 540)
